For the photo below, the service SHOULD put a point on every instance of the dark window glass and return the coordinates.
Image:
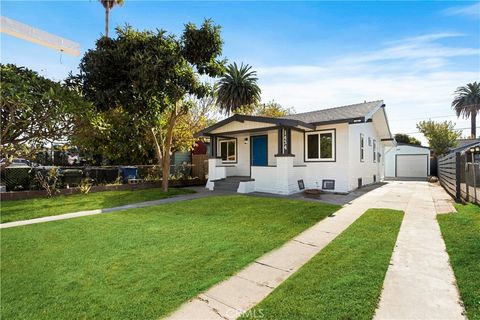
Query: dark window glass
(231, 151)
(228, 150)
(361, 147)
(223, 150)
(326, 146)
(312, 146)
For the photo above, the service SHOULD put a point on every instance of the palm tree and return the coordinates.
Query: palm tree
(467, 104)
(108, 5)
(237, 88)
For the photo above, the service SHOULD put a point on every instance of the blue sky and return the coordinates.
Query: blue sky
(309, 55)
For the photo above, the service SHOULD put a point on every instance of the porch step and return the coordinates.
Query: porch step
(230, 183)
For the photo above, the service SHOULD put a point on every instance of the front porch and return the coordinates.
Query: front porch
(260, 160)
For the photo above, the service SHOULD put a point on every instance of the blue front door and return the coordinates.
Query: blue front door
(259, 151)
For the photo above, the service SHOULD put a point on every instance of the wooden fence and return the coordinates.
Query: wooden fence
(200, 165)
(460, 178)
(449, 173)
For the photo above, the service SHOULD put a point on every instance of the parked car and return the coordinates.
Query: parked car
(19, 163)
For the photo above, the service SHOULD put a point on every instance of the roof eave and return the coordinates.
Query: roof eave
(242, 118)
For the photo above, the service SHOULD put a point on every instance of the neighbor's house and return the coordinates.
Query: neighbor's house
(337, 149)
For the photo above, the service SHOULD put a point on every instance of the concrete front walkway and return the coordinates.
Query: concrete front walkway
(201, 193)
(420, 283)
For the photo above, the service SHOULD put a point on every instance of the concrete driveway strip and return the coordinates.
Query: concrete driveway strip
(420, 283)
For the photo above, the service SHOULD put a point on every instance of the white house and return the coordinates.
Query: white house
(337, 149)
(407, 161)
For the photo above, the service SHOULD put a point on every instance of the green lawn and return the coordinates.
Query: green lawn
(344, 280)
(42, 207)
(141, 263)
(461, 232)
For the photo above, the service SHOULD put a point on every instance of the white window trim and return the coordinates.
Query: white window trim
(220, 150)
(319, 159)
(362, 147)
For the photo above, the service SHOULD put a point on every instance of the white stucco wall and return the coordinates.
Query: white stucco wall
(315, 172)
(391, 152)
(367, 168)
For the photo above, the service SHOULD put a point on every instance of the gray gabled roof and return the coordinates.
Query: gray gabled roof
(353, 111)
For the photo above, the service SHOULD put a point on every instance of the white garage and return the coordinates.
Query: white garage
(407, 161)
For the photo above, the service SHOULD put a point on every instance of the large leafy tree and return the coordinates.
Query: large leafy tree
(270, 109)
(467, 104)
(148, 75)
(405, 138)
(108, 5)
(35, 111)
(441, 136)
(238, 89)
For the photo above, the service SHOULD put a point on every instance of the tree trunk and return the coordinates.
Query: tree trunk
(107, 14)
(473, 119)
(158, 149)
(167, 148)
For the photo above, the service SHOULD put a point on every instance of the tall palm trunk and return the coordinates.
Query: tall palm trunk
(473, 123)
(107, 15)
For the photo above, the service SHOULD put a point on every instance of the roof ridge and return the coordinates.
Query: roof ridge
(332, 108)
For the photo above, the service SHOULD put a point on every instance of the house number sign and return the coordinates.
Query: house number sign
(284, 141)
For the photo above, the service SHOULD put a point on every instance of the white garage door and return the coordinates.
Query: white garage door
(412, 165)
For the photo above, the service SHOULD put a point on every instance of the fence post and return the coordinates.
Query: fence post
(458, 176)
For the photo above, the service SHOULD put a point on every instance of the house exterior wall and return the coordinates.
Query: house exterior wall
(316, 172)
(242, 166)
(391, 152)
(282, 173)
(367, 168)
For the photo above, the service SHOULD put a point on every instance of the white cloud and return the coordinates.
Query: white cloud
(410, 75)
(471, 10)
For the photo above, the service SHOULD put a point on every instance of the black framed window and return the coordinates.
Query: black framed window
(374, 144)
(362, 147)
(228, 150)
(320, 146)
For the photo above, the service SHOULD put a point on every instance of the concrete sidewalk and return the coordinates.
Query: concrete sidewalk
(236, 295)
(201, 193)
(420, 283)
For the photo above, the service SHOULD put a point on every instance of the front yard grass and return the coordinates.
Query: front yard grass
(344, 280)
(141, 263)
(461, 232)
(41, 207)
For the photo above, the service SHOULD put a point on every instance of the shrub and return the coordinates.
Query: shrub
(48, 181)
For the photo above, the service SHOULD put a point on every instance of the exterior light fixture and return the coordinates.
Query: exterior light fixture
(245, 141)
(477, 149)
(472, 150)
